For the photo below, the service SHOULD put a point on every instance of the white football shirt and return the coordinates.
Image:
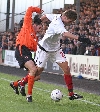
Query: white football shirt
(51, 39)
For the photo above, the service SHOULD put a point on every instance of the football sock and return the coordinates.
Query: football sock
(30, 84)
(15, 83)
(23, 81)
(68, 81)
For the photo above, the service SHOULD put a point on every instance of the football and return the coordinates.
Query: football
(56, 95)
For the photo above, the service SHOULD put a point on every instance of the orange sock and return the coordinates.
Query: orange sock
(30, 84)
(15, 83)
(24, 80)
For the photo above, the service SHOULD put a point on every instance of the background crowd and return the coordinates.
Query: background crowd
(87, 26)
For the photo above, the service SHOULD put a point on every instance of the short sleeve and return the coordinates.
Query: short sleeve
(50, 16)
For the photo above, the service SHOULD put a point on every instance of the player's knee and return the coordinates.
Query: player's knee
(33, 71)
(67, 70)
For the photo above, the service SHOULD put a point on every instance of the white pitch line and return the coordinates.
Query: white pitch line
(86, 101)
(5, 79)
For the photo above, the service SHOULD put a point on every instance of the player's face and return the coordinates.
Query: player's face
(66, 20)
(38, 28)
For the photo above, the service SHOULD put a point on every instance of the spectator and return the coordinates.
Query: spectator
(93, 50)
(64, 40)
(64, 48)
(21, 22)
(73, 48)
(4, 42)
(97, 47)
(11, 36)
(88, 51)
(10, 45)
(80, 48)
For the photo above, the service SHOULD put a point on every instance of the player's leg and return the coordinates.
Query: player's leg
(21, 84)
(28, 79)
(24, 80)
(61, 61)
(39, 61)
(25, 60)
(19, 58)
(32, 71)
(14, 86)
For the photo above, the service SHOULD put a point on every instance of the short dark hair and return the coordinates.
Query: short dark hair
(70, 14)
(37, 20)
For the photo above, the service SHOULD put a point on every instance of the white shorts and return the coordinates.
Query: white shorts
(42, 57)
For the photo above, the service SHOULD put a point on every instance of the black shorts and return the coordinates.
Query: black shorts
(26, 56)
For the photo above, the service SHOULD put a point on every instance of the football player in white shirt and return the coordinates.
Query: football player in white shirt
(49, 47)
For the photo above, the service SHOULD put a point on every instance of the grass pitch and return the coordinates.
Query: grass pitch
(10, 102)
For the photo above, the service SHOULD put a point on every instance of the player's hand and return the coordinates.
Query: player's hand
(41, 11)
(84, 40)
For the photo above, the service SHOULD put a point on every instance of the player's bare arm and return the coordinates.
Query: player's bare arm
(44, 18)
(70, 35)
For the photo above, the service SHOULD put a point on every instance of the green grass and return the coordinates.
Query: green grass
(10, 102)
